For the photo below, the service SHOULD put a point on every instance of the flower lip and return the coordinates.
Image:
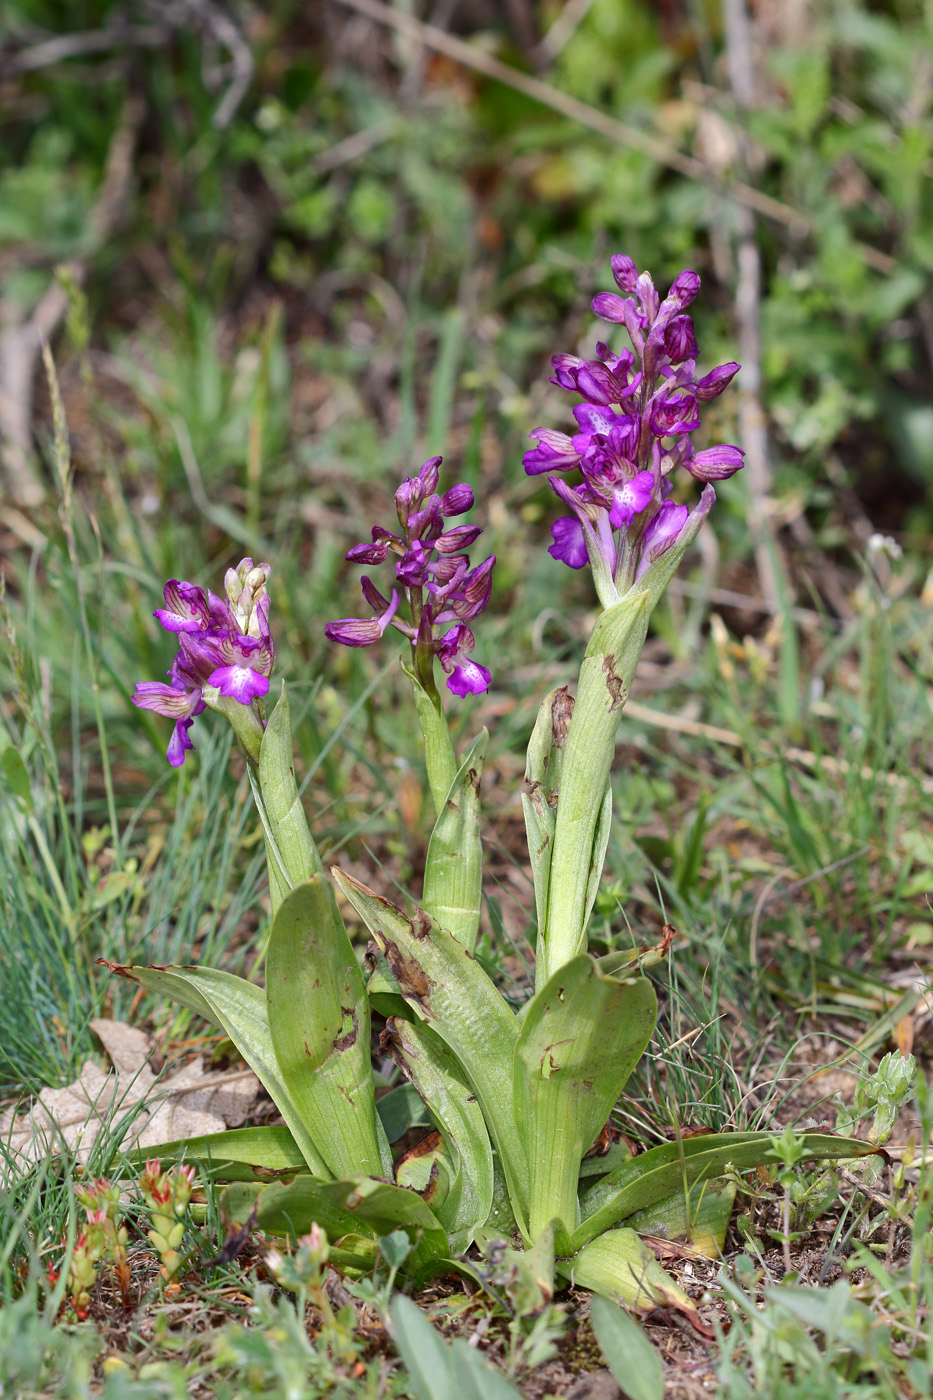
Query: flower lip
(186, 607)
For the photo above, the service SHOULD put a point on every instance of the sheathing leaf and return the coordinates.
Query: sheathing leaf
(436, 1073)
(453, 874)
(444, 985)
(580, 1039)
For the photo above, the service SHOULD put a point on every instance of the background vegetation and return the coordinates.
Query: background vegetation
(284, 253)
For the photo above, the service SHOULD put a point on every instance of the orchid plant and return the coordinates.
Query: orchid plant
(519, 1100)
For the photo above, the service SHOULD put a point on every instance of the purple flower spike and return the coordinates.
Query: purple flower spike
(638, 410)
(434, 580)
(224, 643)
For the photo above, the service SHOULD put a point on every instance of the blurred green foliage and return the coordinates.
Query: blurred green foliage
(342, 185)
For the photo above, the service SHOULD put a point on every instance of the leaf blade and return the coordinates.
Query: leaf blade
(320, 1025)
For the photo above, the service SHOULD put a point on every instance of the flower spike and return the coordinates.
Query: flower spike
(638, 410)
(226, 652)
(434, 580)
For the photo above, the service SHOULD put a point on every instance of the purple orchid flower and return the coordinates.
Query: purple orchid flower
(225, 647)
(639, 409)
(433, 578)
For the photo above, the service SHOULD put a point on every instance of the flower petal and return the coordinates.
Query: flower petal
(569, 542)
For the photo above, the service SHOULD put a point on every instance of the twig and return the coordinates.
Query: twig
(353, 147)
(601, 122)
(65, 46)
(561, 32)
(217, 22)
(826, 763)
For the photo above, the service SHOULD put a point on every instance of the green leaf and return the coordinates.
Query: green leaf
(699, 1217)
(476, 1378)
(289, 1208)
(357, 1204)
(16, 778)
(239, 1154)
(453, 873)
(445, 986)
(423, 1351)
(658, 1173)
(621, 1267)
(239, 1008)
(400, 1109)
(580, 1040)
(439, 754)
(436, 1074)
(627, 1351)
(582, 825)
(320, 1023)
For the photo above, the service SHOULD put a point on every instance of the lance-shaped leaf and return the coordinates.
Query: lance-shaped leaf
(453, 872)
(284, 811)
(579, 1042)
(439, 756)
(445, 986)
(240, 1010)
(581, 828)
(435, 1072)
(627, 1351)
(288, 1208)
(360, 1205)
(319, 1018)
(437, 1371)
(240, 1154)
(698, 1217)
(653, 1175)
(619, 1266)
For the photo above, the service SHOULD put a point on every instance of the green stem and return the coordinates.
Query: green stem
(247, 725)
(576, 863)
(439, 757)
